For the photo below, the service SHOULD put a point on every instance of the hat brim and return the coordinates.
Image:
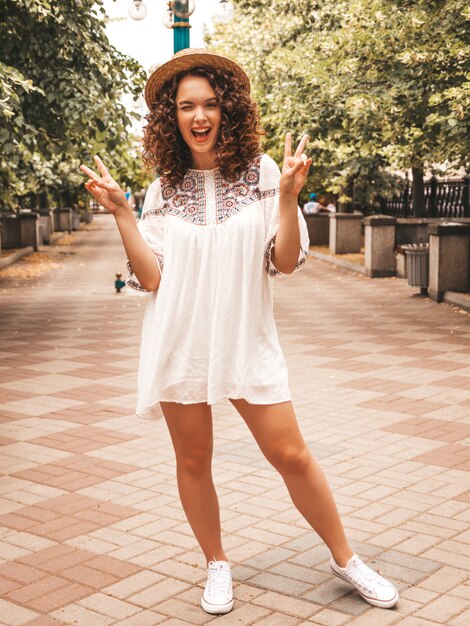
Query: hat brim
(188, 59)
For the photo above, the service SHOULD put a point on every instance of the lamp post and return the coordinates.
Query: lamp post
(182, 9)
(180, 33)
(176, 16)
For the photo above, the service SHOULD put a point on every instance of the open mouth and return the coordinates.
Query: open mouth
(200, 134)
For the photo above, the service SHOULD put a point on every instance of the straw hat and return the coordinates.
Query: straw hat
(188, 59)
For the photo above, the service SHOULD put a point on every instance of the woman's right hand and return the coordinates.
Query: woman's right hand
(106, 190)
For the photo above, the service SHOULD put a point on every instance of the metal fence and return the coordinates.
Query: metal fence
(443, 198)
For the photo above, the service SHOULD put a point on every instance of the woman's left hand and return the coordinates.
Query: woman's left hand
(295, 168)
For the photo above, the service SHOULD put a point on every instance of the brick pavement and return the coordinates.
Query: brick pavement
(92, 532)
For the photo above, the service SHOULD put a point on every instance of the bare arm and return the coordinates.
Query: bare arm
(286, 250)
(294, 173)
(141, 256)
(108, 193)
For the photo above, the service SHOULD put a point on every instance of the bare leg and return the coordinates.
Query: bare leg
(277, 433)
(190, 427)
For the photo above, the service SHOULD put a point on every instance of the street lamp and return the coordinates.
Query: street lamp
(224, 13)
(137, 10)
(182, 8)
(176, 16)
(168, 18)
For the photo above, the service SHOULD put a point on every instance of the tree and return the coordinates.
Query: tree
(380, 85)
(62, 84)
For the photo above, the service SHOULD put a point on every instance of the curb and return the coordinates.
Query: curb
(16, 256)
(19, 254)
(355, 267)
(458, 298)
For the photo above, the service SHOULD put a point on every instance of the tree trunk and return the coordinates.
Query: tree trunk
(419, 200)
(43, 200)
(347, 190)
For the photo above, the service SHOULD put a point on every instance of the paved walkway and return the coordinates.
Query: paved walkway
(92, 531)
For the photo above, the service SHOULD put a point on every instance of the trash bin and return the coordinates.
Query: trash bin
(417, 265)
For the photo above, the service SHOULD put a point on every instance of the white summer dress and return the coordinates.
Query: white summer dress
(208, 332)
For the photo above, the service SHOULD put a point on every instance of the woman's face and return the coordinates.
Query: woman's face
(198, 115)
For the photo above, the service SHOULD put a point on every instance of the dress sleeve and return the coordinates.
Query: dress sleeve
(150, 226)
(269, 191)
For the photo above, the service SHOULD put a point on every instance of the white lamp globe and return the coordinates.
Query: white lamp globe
(168, 17)
(183, 8)
(224, 13)
(137, 10)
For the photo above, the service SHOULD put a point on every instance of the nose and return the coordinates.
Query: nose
(199, 115)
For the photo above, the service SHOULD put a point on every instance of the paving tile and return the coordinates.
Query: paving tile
(174, 621)
(157, 593)
(409, 561)
(430, 428)
(274, 582)
(377, 617)
(65, 517)
(327, 617)
(187, 573)
(143, 618)
(451, 455)
(176, 608)
(14, 615)
(277, 619)
(81, 616)
(461, 591)
(71, 475)
(20, 573)
(461, 620)
(449, 557)
(443, 609)
(89, 576)
(7, 585)
(328, 592)
(445, 579)
(246, 614)
(45, 620)
(60, 597)
(133, 584)
(305, 574)
(286, 604)
(28, 592)
(82, 439)
(106, 605)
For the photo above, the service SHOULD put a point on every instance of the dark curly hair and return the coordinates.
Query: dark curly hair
(239, 135)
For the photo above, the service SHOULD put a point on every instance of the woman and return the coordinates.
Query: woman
(218, 224)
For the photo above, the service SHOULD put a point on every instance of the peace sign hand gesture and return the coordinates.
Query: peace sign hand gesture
(295, 168)
(106, 190)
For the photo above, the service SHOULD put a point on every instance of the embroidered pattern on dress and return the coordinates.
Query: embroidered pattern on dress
(187, 200)
(132, 281)
(152, 213)
(232, 197)
(269, 266)
(269, 193)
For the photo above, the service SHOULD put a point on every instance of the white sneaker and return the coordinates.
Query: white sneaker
(372, 587)
(218, 593)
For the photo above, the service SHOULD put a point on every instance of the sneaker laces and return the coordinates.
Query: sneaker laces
(360, 573)
(218, 578)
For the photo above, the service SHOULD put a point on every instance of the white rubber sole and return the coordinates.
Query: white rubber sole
(383, 604)
(216, 609)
